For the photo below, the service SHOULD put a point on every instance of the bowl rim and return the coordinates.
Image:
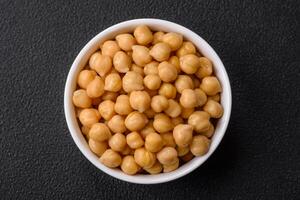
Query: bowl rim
(74, 127)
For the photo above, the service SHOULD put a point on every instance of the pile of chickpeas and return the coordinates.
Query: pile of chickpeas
(147, 102)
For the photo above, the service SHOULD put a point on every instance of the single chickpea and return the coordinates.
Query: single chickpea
(129, 166)
(81, 99)
(85, 130)
(144, 158)
(109, 96)
(95, 88)
(125, 41)
(89, 116)
(167, 156)
(177, 120)
(110, 48)
(122, 62)
(160, 51)
(188, 98)
(186, 112)
(136, 121)
(187, 157)
(210, 85)
(174, 40)
(151, 68)
(122, 105)
(85, 77)
(150, 113)
(111, 159)
(168, 90)
(183, 135)
(171, 167)
(174, 109)
(132, 81)
(134, 140)
(174, 60)
(159, 103)
(158, 37)
(162, 123)
(147, 129)
(154, 142)
(151, 93)
(215, 97)
(213, 108)
(205, 68)
(182, 150)
(201, 97)
(155, 169)
(141, 55)
(143, 35)
(99, 132)
(209, 133)
(113, 82)
(200, 121)
(97, 147)
(196, 82)
(117, 124)
(152, 81)
(183, 82)
(137, 69)
(139, 100)
(100, 63)
(117, 142)
(168, 139)
(189, 63)
(167, 72)
(186, 48)
(200, 145)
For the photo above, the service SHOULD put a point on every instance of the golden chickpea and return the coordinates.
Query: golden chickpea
(144, 158)
(188, 98)
(132, 81)
(162, 123)
(168, 90)
(209, 133)
(125, 41)
(196, 82)
(183, 82)
(154, 142)
(136, 121)
(122, 105)
(109, 96)
(81, 99)
(100, 63)
(129, 166)
(85, 77)
(160, 51)
(201, 97)
(85, 130)
(213, 108)
(134, 140)
(157, 37)
(186, 48)
(189, 63)
(210, 85)
(215, 97)
(167, 72)
(150, 113)
(200, 121)
(122, 62)
(143, 35)
(137, 69)
(117, 142)
(159, 103)
(183, 135)
(167, 156)
(152, 81)
(151, 68)
(147, 129)
(141, 55)
(205, 68)
(186, 112)
(111, 159)
(113, 82)
(97, 147)
(110, 48)
(187, 157)
(139, 100)
(174, 60)
(182, 150)
(89, 116)
(168, 139)
(95, 88)
(117, 124)
(99, 132)
(171, 167)
(200, 145)
(174, 109)
(174, 40)
(155, 169)
(177, 120)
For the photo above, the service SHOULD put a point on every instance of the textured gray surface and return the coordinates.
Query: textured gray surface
(258, 42)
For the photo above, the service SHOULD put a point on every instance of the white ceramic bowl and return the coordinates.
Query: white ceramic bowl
(128, 26)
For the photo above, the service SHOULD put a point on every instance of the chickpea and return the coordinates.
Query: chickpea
(210, 85)
(159, 103)
(85, 77)
(152, 81)
(97, 147)
(100, 63)
(150, 113)
(110, 48)
(186, 112)
(172, 167)
(205, 68)
(158, 37)
(168, 139)
(125, 41)
(209, 133)
(167, 72)
(134, 140)
(85, 130)
(196, 82)
(99, 132)
(139, 100)
(188, 98)
(147, 129)
(189, 63)
(215, 97)
(95, 88)
(89, 116)
(136, 121)
(151, 68)
(183, 82)
(168, 90)
(129, 166)
(122, 105)
(186, 48)
(111, 159)
(187, 157)
(177, 120)
(144, 158)
(109, 96)
(183, 135)
(200, 145)
(155, 169)
(174, 109)
(182, 150)
(162, 123)
(174, 40)
(160, 51)
(167, 156)
(137, 69)
(143, 35)
(132, 81)
(122, 62)
(174, 60)
(141, 55)
(153, 142)
(117, 124)
(201, 97)
(213, 108)
(117, 142)
(81, 99)
(200, 121)
(113, 82)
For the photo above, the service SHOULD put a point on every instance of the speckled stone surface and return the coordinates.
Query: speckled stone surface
(258, 42)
